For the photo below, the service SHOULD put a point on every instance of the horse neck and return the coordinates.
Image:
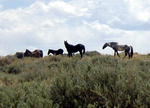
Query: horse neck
(67, 45)
(59, 50)
(50, 50)
(108, 45)
(27, 53)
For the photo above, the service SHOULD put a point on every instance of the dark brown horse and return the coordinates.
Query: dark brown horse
(116, 47)
(74, 48)
(35, 53)
(56, 52)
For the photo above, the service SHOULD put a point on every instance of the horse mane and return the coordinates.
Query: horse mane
(113, 43)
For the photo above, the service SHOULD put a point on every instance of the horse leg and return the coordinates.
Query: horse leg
(81, 54)
(70, 54)
(125, 54)
(129, 55)
(114, 53)
(118, 54)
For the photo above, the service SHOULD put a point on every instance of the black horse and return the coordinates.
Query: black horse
(74, 48)
(56, 52)
(114, 45)
(35, 53)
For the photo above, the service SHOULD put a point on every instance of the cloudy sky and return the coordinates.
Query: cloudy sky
(44, 24)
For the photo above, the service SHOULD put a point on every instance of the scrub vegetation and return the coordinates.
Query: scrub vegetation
(95, 81)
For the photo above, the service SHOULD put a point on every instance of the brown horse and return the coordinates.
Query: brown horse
(35, 53)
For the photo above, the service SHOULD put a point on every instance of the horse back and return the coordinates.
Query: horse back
(60, 51)
(78, 47)
(37, 53)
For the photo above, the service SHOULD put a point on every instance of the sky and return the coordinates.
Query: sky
(45, 24)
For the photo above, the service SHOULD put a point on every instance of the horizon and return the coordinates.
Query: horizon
(45, 24)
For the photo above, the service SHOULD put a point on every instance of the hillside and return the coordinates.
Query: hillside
(61, 82)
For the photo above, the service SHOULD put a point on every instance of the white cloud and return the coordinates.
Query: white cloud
(140, 9)
(68, 8)
(46, 25)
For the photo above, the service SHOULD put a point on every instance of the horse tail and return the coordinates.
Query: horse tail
(41, 53)
(83, 49)
(131, 52)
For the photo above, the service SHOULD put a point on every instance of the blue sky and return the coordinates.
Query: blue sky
(44, 24)
(12, 4)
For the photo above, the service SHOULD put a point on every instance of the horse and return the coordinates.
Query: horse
(55, 52)
(74, 48)
(19, 55)
(116, 47)
(35, 53)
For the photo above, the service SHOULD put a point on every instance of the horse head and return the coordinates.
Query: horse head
(105, 45)
(65, 42)
(49, 51)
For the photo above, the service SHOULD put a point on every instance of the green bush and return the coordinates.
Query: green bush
(31, 95)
